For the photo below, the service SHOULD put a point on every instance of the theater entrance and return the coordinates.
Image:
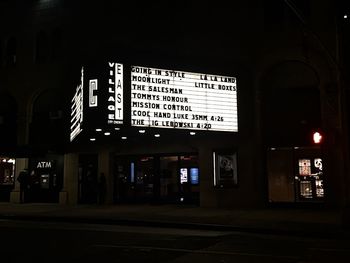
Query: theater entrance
(156, 179)
(87, 179)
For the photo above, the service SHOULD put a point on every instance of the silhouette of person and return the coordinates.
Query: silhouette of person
(102, 189)
(23, 179)
(34, 186)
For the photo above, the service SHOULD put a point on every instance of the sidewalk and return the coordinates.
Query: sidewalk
(316, 222)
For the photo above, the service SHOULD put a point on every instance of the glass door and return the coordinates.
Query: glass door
(135, 179)
(157, 178)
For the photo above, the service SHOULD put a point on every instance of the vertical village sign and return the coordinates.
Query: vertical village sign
(159, 98)
(115, 94)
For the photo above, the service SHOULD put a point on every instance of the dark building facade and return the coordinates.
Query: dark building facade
(280, 63)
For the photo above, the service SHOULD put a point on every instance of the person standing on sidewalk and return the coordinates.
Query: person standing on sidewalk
(23, 179)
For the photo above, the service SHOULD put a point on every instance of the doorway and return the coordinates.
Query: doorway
(87, 179)
(295, 175)
(157, 179)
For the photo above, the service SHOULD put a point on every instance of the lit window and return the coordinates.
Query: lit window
(304, 166)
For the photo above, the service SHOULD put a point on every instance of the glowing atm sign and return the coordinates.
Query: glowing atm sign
(163, 98)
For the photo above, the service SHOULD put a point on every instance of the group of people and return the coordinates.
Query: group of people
(29, 181)
(26, 182)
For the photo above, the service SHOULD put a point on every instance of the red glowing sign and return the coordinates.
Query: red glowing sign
(317, 137)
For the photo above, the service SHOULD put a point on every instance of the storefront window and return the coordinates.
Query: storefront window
(189, 179)
(295, 174)
(144, 183)
(304, 167)
(319, 188)
(7, 171)
(225, 169)
(165, 179)
(310, 178)
(306, 189)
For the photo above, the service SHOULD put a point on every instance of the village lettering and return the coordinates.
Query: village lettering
(115, 93)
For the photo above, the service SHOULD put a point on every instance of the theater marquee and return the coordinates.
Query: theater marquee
(99, 98)
(163, 98)
(158, 98)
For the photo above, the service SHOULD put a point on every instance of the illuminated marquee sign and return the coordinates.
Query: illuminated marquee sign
(92, 96)
(176, 99)
(77, 109)
(115, 94)
(102, 103)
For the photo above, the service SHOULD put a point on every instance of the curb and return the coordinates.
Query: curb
(334, 233)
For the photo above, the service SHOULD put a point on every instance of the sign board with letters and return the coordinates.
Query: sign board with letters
(157, 98)
(99, 98)
(163, 98)
(115, 94)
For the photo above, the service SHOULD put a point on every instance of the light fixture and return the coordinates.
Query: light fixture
(157, 135)
(142, 131)
(124, 137)
(107, 133)
(345, 16)
(98, 129)
(92, 139)
(117, 128)
(192, 133)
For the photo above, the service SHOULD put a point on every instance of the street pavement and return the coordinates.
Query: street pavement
(319, 222)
